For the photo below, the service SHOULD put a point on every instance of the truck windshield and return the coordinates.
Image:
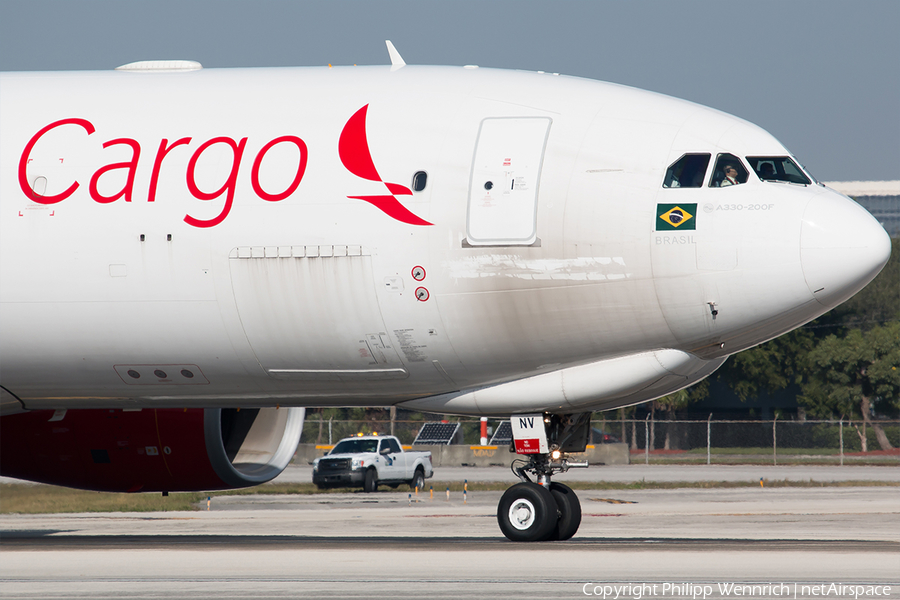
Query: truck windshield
(777, 168)
(355, 446)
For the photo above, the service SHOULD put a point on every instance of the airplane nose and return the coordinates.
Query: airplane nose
(842, 248)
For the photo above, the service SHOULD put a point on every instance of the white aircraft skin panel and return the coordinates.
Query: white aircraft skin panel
(584, 268)
(249, 210)
(730, 260)
(574, 389)
(828, 269)
(573, 323)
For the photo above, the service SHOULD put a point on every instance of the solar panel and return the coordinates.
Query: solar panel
(436, 434)
(503, 436)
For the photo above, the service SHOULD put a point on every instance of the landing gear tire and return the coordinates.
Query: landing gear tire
(418, 480)
(370, 483)
(569, 511)
(527, 513)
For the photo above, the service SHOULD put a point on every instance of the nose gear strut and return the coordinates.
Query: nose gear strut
(539, 509)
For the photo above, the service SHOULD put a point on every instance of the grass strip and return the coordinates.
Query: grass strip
(16, 498)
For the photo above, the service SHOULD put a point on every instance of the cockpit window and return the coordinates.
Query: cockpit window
(688, 171)
(778, 168)
(728, 171)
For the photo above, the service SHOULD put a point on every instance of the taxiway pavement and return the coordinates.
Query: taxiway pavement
(667, 473)
(391, 545)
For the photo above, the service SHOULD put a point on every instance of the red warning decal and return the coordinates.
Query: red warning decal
(532, 446)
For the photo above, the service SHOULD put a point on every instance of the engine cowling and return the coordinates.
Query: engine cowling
(150, 450)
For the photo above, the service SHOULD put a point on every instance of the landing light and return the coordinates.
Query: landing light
(555, 454)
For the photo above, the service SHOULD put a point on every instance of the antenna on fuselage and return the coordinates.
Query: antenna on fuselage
(397, 61)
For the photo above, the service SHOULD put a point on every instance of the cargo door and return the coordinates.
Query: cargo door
(311, 313)
(503, 188)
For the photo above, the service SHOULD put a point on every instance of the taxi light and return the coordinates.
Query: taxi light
(556, 454)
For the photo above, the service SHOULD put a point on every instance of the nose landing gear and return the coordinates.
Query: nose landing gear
(569, 509)
(527, 513)
(533, 511)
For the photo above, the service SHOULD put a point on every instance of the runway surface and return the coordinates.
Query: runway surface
(388, 545)
(637, 472)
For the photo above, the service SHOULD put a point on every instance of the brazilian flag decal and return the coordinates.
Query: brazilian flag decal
(676, 216)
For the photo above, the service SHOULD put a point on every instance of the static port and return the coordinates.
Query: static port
(134, 374)
(186, 373)
(160, 373)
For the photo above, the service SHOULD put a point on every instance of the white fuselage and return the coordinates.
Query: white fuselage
(230, 243)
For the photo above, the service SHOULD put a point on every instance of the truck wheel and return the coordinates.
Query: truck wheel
(370, 484)
(418, 480)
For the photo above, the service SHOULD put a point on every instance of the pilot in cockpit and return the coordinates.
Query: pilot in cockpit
(767, 171)
(729, 171)
(731, 176)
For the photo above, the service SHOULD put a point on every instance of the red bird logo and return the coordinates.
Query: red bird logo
(353, 148)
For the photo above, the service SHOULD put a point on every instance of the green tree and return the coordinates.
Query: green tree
(777, 364)
(771, 366)
(855, 376)
(343, 422)
(676, 436)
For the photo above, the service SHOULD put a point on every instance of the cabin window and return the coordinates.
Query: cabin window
(729, 171)
(777, 168)
(419, 181)
(688, 171)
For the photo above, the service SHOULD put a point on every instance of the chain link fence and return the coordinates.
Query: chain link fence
(776, 441)
(679, 441)
(330, 431)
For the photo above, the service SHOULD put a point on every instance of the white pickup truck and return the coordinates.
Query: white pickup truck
(370, 460)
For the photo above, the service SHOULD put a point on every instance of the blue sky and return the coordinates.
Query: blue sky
(823, 76)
